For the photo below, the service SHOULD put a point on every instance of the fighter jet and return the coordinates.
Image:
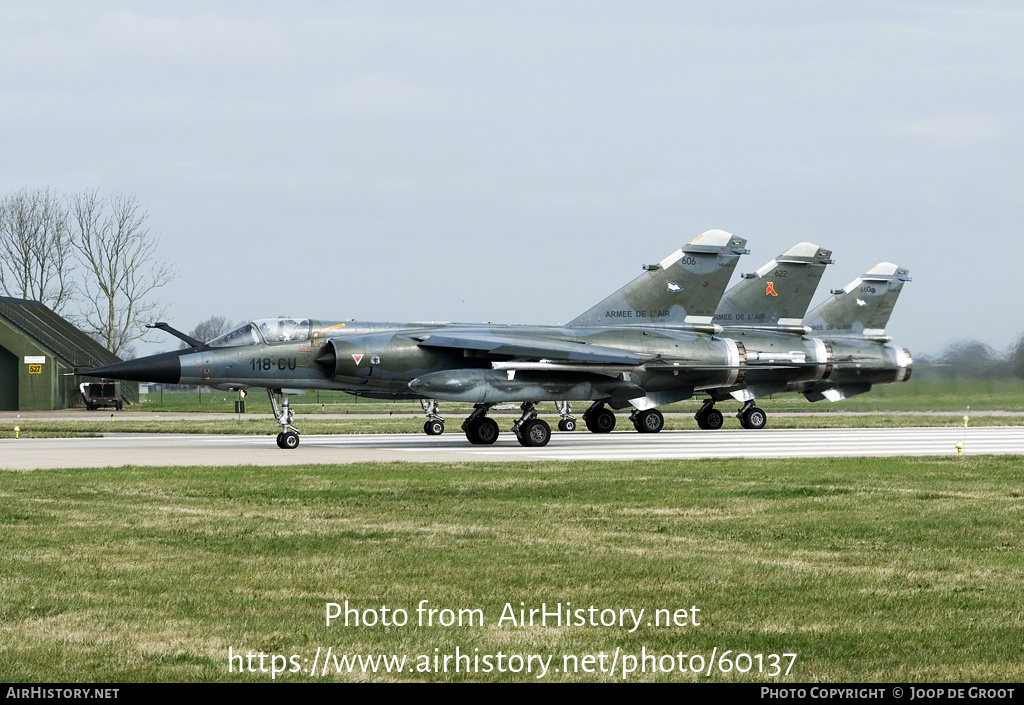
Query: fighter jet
(651, 343)
(833, 353)
(853, 322)
(763, 312)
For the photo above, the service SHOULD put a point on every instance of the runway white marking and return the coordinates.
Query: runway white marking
(179, 449)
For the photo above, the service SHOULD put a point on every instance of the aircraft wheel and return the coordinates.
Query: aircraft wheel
(711, 420)
(483, 432)
(649, 421)
(567, 425)
(601, 421)
(753, 418)
(433, 427)
(535, 433)
(288, 440)
(280, 440)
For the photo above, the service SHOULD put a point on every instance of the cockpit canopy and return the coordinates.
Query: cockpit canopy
(272, 330)
(281, 330)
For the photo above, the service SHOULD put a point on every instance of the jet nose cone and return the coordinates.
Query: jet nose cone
(163, 368)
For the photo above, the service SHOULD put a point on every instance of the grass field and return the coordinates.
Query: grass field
(867, 569)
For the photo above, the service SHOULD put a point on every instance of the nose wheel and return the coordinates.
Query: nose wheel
(287, 440)
(434, 425)
(568, 421)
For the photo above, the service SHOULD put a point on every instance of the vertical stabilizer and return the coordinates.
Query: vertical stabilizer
(777, 294)
(682, 289)
(864, 306)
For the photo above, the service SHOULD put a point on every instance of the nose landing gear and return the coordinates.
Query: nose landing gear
(288, 438)
(434, 425)
(568, 422)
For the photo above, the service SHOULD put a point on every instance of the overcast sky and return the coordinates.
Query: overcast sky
(518, 161)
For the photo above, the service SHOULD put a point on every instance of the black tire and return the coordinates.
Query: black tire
(118, 405)
(289, 440)
(433, 427)
(535, 433)
(280, 440)
(649, 421)
(754, 418)
(601, 421)
(483, 432)
(713, 420)
(523, 440)
(567, 425)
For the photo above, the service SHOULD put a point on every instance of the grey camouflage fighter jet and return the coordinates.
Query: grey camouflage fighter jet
(670, 334)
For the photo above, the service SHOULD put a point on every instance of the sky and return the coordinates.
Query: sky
(519, 161)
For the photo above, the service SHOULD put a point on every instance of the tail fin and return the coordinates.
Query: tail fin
(864, 306)
(776, 295)
(682, 289)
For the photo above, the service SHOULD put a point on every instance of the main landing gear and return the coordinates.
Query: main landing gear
(530, 431)
(708, 417)
(288, 438)
(479, 429)
(750, 416)
(598, 418)
(434, 425)
(647, 421)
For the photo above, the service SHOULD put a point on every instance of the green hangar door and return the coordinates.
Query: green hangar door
(8, 381)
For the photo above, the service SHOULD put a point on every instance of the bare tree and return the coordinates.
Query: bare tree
(211, 328)
(116, 250)
(36, 256)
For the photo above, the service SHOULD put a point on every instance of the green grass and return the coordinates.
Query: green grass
(942, 394)
(869, 569)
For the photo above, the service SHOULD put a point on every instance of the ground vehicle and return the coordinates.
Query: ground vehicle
(99, 394)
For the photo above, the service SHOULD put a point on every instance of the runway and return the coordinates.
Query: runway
(179, 450)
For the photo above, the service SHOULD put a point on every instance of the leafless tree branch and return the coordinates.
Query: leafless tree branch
(116, 249)
(36, 259)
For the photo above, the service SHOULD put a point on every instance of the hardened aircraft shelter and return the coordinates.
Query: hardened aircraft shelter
(39, 352)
